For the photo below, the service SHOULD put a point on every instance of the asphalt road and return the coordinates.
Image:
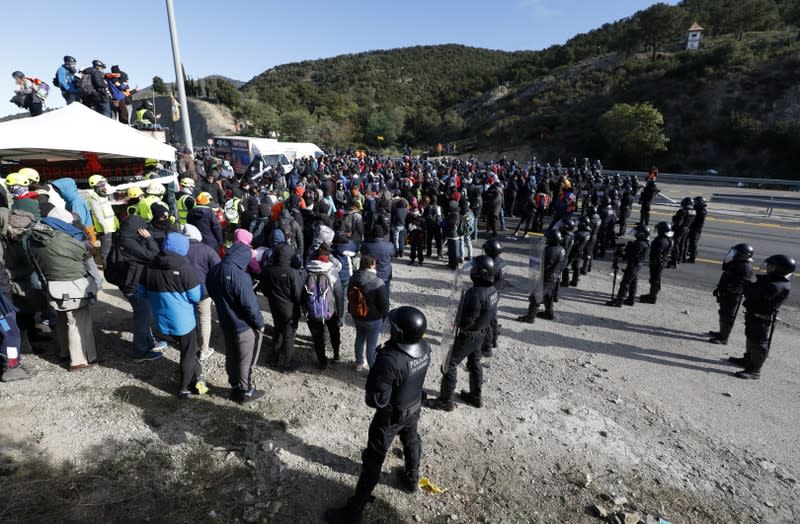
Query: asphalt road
(721, 232)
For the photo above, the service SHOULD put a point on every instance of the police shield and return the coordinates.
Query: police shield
(535, 267)
(449, 328)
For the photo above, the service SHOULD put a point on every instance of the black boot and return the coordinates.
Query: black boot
(350, 513)
(469, 398)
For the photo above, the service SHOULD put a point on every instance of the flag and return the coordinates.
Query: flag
(175, 109)
(380, 138)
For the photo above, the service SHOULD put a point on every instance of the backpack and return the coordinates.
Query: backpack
(56, 82)
(115, 268)
(321, 302)
(87, 88)
(463, 226)
(42, 89)
(260, 234)
(357, 302)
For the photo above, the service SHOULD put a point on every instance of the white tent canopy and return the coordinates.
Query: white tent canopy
(69, 132)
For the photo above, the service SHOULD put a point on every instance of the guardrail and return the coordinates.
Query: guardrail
(715, 180)
(766, 201)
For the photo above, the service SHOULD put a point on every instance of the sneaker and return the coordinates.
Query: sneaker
(441, 405)
(748, 375)
(739, 361)
(206, 354)
(150, 355)
(17, 373)
(526, 318)
(246, 397)
(469, 398)
(160, 345)
(182, 395)
(359, 368)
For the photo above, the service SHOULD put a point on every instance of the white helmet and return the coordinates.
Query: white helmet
(155, 188)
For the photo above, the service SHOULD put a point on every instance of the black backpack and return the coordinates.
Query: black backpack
(86, 85)
(115, 269)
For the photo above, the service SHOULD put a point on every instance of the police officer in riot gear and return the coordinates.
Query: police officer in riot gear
(681, 224)
(635, 253)
(567, 229)
(578, 254)
(477, 308)
(551, 267)
(762, 300)
(660, 251)
(625, 207)
(394, 388)
(595, 222)
(646, 200)
(737, 270)
(700, 213)
(493, 248)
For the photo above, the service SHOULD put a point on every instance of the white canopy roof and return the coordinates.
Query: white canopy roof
(67, 133)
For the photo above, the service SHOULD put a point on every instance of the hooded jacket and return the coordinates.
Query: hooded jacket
(137, 251)
(375, 292)
(231, 288)
(172, 287)
(283, 285)
(242, 236)
(201, 256)
(383, 251)
(204, 219)
(68, 190)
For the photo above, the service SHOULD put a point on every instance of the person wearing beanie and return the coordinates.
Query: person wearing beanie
(383, 251)
(173, 289)
(161, 223)
(202, 259)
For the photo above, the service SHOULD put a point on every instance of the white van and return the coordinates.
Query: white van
(297, 150)
(244, 151)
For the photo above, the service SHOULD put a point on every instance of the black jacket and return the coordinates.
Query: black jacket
(396, 379)
(204, 219)
(383, 251)
(734, 276)
(283, 286)
(231, 288)
(375, 292)
(137, 251)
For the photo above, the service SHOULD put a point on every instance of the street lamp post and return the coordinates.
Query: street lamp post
(176, 55)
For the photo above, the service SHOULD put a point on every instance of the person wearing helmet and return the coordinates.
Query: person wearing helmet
(18, 185)
(625, 208)
(474, 314)
(395, 389)
(595, 222)
(67, 80)
(100, 98)
(154, 193)
(635, 252)
(103, 217)
(145, 118)
(737, 271)
(646, 200)
(682, 222)
(493, 249)
(185, 201)
(553, 261)
(567, 230)
(204, 219)
(762, 300)
(696, 229)
(660, 251)
(25, 94)
(578, 255)
(134, 195)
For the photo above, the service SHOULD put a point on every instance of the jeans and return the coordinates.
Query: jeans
(367, 333)
(502, 218)
(398, 239)
(104, 108)
(202, 312)
(142, 317)
(71, 97)
(467, 241)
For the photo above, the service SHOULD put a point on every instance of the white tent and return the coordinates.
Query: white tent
(69, 132)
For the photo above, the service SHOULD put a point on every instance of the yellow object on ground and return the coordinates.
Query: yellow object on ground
(428, 486)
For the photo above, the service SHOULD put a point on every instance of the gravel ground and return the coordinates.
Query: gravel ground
(618, 415)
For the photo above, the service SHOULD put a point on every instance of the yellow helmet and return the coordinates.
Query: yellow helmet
(31, 174)
(155, 189)
(16, 179)
(204, 198)
(187, 182)
(150, 162)
(96, 179)
(134, 192)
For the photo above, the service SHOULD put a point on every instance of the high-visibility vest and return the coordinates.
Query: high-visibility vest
(183, 210)
(107, 222)
(140, 117)
(143, 207)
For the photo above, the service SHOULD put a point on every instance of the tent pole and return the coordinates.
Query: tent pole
(176, 55)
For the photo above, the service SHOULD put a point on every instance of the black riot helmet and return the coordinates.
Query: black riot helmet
(552, 237)
(641, 232)
(780, 265)
(664, 229)
(408, 325)
(584, 224)
(591, 211)
(699, 201)
(567, 225)
(482, 271)
(69, 59)
(741, 252)
(493, 247)
(98, 64)
(687, 203)
(148, 105)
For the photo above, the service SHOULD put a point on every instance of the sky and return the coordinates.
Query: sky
(243, 38)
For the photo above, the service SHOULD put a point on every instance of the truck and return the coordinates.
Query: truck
(249, 154)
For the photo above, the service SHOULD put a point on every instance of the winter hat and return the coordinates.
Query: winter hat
(341, 238)
(176, 243)
(192, 233)
(378, 231)
(60, 213)
(159, 210)
(277, 237)
(243, 236)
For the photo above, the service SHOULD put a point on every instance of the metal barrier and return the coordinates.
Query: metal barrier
(714, 180)
(766, 201)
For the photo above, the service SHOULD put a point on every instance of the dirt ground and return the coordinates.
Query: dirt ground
(617, 415)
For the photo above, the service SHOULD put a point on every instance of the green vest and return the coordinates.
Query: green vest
(140, 117)
(143, 207)
(183, 210)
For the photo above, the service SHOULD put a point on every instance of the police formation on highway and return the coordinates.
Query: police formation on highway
(319, 241)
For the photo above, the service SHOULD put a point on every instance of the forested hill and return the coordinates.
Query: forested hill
(733, 105)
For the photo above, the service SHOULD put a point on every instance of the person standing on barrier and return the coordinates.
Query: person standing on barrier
(762, 300)
(737, 270)
(395, 389)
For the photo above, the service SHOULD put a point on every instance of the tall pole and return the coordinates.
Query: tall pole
(176, 55)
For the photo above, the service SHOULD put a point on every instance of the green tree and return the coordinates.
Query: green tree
(452, 124)
(227, 93)
(387, 123)
(634, 132)
(740, 16)
(297, 124)
(658, 24)
(159, 87)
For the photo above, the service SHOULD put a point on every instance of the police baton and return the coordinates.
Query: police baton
(615, 265)
(772, 330)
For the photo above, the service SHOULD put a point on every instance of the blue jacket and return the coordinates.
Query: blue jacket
(66, 79)
(172, 287)
(68, 190)
(383, 251)
(231, 288)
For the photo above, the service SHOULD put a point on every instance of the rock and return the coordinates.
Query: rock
(620, 500)
(603, 433)
(600, 511)
(767, 466)
(631, 518)
(727, 394)
(416, 518)
(769, 504)
(685, 311)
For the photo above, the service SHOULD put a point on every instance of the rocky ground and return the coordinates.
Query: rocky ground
(616, 415)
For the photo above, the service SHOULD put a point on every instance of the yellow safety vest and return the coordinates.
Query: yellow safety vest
(140, 117)
(183, 210)
(107, 214)
(143, 207)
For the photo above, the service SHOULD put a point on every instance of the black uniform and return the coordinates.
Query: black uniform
(700, 213)
(762, 299)
(605, 237)
(394, 389)
(478, 308)
(490, 342)
(660, 251)
(579, 254)
(681, 224)
(635, 253)
(735, 274)
(646, 200)
(595, 222)
(553, 261)
(568, 241)
(625, 207)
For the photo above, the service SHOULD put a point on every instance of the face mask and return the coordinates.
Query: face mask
(19, 190)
